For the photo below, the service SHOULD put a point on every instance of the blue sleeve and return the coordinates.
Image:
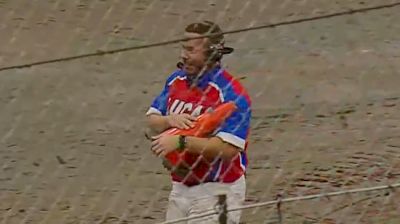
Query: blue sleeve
(236, 127)
(160, 103)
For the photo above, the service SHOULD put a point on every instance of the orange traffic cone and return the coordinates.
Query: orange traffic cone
(204, 125)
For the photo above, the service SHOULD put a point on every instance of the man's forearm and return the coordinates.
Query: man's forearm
(211, 147)
(158, 123)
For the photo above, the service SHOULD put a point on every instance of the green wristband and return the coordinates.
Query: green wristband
(181, 143)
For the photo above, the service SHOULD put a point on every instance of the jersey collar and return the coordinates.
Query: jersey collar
(207, 77)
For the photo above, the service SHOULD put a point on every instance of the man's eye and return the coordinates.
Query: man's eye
(187, 48)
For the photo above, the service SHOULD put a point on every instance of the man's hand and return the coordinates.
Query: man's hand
(181, 121)
(164, 144)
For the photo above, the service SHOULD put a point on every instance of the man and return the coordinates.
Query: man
(219, 161)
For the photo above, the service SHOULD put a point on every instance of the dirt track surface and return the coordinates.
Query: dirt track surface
(325, 94)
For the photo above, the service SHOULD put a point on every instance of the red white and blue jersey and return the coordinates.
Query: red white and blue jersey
(213, 88)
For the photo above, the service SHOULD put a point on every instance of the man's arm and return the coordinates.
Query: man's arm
(158, 123)
(228, 141)
(211, 147)
(156, 115)
(230, 138)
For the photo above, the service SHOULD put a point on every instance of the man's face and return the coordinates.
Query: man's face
(194, 54)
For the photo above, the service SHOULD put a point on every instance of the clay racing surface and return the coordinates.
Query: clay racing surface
(325, 97)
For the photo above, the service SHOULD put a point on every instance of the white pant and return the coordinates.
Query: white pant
(187, 201)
